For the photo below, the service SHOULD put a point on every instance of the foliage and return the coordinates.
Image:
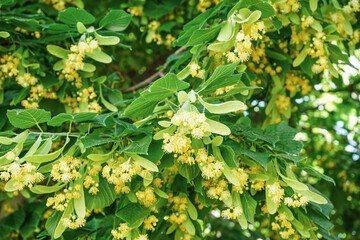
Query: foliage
(85, 154)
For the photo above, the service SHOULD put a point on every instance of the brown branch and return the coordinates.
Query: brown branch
(150, 79)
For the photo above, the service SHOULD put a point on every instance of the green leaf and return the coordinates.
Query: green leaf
(132, 213)
(218, 128)
(4, 34)
(143, 162)
(76, 117)
(249, 206)
(222, 108)
(105, 197)
(229, 156)
(40, 189)
(192, 210)
(108, 105)
(204, 35)
(102, 157)
(189, 226)
(230, 176)
(160, 193)
(73, 15)
(58, 51)
(27, 118)
(41, 158)
(139, 145)
(80, 27)
(301, 57)
(158, 91)
(313, 5)
(107, 40)
(313, 171)
(99, 56)
(116, 20)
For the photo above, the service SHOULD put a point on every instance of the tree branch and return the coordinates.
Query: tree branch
(150, 79)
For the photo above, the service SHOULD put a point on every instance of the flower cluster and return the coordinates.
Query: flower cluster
(232, 213)
(282, 103)
(21, 174)
(217, 189)
(150, 223)
(196, 71)
(26, 32)
(121, 232)
(243, 45)
(295, 83)
(284, 227)
(146, 197)
(74, 62)
(179, 206)
(66, 169)
(205, 4)
(8, 67)
(74, 222)
(276, 192)
(296, 201)
(119, 172)
(287, 6)
(61, 199)
(210, 168)
(243, 178)
(89, 181)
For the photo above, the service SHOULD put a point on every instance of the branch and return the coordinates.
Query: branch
(150, 79)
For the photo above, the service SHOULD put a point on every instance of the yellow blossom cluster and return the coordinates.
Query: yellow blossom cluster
(146, 197)
(285, 7)
(306, 21)
(119, 172)
(74, 62)
(21, 174)
(154, 25)
(243, 178)
(205, 4)
(142, 237)
(217, 189)
(210, 168)
(243, 45)
(61, 199)
(136, 11)
(276, 192)
(232, 213)
(26, 80)
(66, 169)
(59, 4)
(26, 32)
(179, 206)
(89, 181)
(295, 83)
(85, 94)
(150, 223)
(196, 71)
(296, 201)
(191, 123)
(282, 103)
(8, 67)
(74, 222)
(284, 227)
(121, 232)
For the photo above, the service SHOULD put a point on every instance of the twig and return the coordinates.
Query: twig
(150, 79)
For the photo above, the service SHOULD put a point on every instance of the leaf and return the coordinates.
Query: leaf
(80, 27)
(105, 197)
(218, 128)
(132, 213)
(313, 5)
(161, 193)
(222, 108)
(107, 40)
(73, 15)
(301, 57)
(99, 56)
(40, 189)
(41, 158)
(79, 204)
(27, 118)
(158, 91)
(229, 156)
(116, 20)
(219, 74)
(189, 226)
(249, 206)
(191, 209)
(190, 172)
(88, 67)
(230, 176)
(204, 35)
(76, 117)
(313, 171)
(58, 51)
(143, 162)
(4, 34)
(108, 105)
(139, 145)
(102, 157)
